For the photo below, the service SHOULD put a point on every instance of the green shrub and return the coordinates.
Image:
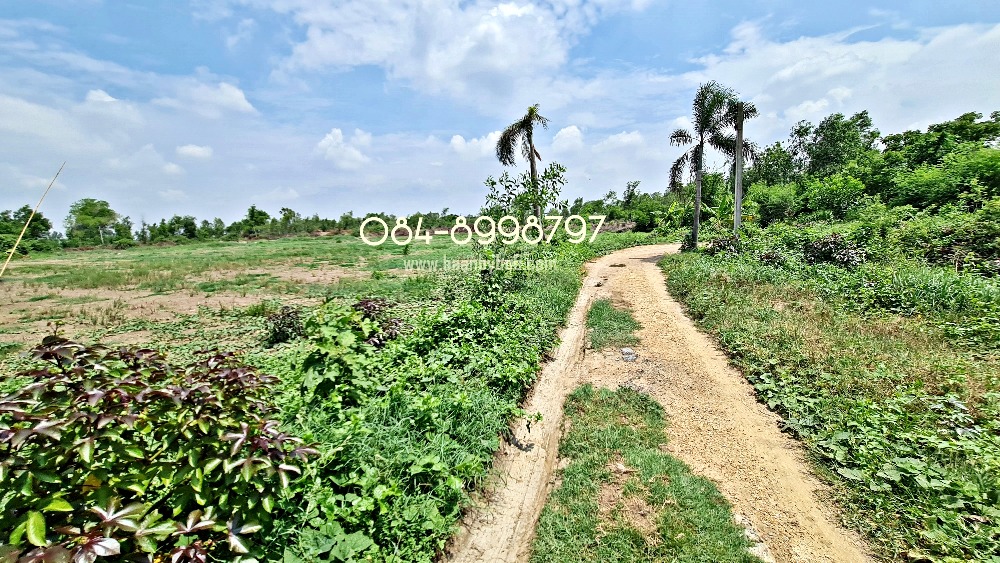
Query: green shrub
(833, 249)
(118, 452)
(970, 173)
(837, 194)
(7, 242)
(284, 325)
(775, 203)
(724, 245)
(956, 238)
(336, 367)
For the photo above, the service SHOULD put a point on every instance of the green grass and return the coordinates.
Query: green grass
(169, 268)
(397, 467)
(900, 412)
(610, 326)
(596, 512)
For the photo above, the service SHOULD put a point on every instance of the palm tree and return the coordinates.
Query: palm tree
(739, 111)
(521, 132)
(712, 115)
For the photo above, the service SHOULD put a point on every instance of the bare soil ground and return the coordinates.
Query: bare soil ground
(28, 305)
(716, 426)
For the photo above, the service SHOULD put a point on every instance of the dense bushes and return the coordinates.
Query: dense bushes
(27, 246)
(119, 452)
(959, 239)
(408, 427)
(971, 171)
(837, 194)
(775, 203)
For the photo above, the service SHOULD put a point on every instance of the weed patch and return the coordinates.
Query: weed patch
(610, 326)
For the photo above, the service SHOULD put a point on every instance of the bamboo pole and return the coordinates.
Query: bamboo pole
(13, 249)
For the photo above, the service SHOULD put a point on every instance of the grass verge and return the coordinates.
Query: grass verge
(610, 326)
(899, 412)
(622, 499)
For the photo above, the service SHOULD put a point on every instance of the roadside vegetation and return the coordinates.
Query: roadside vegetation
(392, 396)
(863, 303)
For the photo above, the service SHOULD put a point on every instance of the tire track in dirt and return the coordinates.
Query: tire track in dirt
(715, 425)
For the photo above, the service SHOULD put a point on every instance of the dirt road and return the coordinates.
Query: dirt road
(715, 426)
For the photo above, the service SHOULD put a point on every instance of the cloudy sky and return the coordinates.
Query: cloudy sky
(204, 107)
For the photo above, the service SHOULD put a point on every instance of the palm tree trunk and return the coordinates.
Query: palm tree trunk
(738, 207)
(697, 206)
(534, 180)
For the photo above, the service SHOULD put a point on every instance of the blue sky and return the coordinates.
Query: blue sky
(205, 107)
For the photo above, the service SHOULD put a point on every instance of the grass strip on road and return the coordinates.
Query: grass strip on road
(622, 499)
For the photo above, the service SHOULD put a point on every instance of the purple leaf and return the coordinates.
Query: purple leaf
(50, 554)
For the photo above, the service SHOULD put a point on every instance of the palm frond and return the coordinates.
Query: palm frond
(534, 117)
(520, 134)
(711, 105)
(724, 143)
(508, 142)
(677, 170)
(681, 137)
(751, 151)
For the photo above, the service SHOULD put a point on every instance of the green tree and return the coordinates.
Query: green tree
(521, 133)
(519, 196)
(255, 221)
(90, 221)
(11, 223)
(712, 114)
(289, 220)
(826, 148)
(631, 195)
(913, 148)
(772, 167)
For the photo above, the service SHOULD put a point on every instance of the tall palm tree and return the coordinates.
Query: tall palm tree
(739, 111)
(521, 132)
(712, 115)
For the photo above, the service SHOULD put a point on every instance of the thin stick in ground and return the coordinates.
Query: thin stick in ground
(13, 249)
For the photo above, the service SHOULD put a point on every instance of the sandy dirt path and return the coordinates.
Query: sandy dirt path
(716, 426)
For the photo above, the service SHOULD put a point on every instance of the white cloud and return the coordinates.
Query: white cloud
(99, 96)
(568, 139)
(194, 151)
(361, 138)
(840, 93)
(103, 111)
(172, 168)
(244, 32)
(344, 154)
(935, 75)
(478, 50)
(808, 110)
(475, 148)
(630, 139)
(208, 100)
(25, 123)
(278, 195)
